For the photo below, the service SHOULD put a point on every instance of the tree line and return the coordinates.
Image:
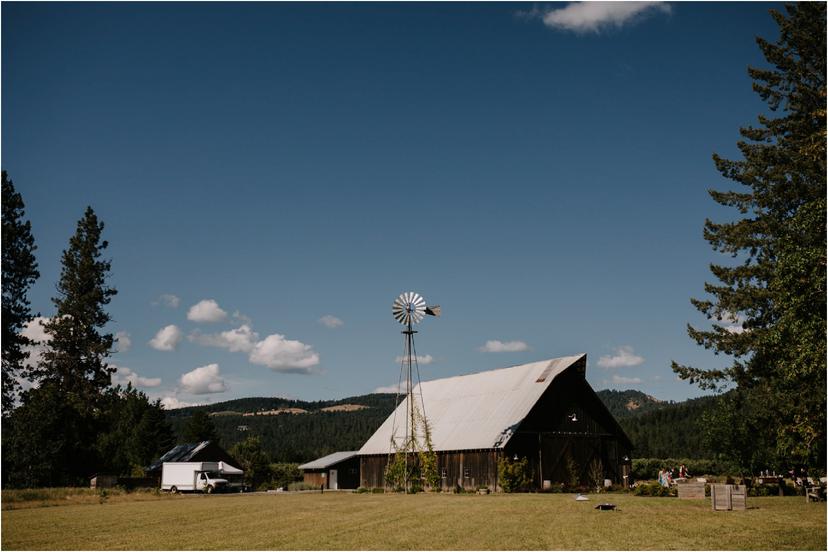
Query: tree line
(63, 420)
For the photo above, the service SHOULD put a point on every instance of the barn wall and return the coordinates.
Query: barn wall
(467, 469)
(315, 478)
(347, 473)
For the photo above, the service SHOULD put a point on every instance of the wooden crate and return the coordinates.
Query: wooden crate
(691, 490)
(728, 497)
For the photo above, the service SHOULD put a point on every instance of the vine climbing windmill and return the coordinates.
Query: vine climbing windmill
(409, 308)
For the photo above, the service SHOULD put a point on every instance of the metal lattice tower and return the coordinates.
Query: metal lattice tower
(409, 309)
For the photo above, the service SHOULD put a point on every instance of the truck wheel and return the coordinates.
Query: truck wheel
(173, 489)
(209, 489)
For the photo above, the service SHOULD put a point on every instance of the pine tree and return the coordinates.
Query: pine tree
(19, 273)
(199, 428)
(76, 359)
(769, 305)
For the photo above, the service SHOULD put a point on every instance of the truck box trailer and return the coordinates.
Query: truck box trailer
(192, 476)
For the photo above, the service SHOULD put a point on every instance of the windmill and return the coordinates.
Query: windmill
(409, 308)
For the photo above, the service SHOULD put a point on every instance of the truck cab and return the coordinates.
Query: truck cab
(210, 482)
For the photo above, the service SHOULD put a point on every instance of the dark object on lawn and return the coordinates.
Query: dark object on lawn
(605, 506)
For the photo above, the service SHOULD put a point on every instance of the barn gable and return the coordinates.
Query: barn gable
(475, 411)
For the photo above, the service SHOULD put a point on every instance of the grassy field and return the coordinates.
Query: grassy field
(338, 521)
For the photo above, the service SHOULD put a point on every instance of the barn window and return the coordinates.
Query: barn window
(443, 473)
(466, 472)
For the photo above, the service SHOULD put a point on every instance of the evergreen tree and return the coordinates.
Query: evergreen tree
(76, 359)
(57, 427)
(253, 459)
(775, 290)
(19, 273)
(199, 428)
(136, 432)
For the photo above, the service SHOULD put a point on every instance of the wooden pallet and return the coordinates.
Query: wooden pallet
(728, 497)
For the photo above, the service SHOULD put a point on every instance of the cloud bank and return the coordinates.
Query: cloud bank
(206, 310)
(593, 17)
(274, 351)
(331, 321)
(168, 300)
(496, 346)
(166, 339)
(623, 357)
(124, 375)
(203, 380)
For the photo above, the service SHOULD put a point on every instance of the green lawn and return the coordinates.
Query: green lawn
(425, 521)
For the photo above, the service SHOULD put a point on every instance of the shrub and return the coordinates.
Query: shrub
(513, 474)
(653, 488)
(302, 486)
(647, 468)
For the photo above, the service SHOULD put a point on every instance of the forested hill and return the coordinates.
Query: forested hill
(624, 404)
(298, 431)
(382, 401)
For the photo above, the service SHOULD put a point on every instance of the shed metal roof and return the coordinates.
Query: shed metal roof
(475, 411)
(329, 460)
(179, 453)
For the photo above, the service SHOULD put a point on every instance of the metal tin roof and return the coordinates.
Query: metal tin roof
(475, 411)
(329, 460)
(179, 453)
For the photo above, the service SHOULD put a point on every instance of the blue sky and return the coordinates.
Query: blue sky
(539, 170)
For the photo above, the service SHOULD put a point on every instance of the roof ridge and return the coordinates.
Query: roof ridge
(549, 360)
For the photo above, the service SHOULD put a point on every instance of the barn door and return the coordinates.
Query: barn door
(332, 484)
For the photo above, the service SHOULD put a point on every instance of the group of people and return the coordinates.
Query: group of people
(666, 477)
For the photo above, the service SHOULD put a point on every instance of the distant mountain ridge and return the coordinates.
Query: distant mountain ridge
(292, 430)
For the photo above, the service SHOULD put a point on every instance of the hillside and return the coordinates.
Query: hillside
(629, 403)
(299, 431)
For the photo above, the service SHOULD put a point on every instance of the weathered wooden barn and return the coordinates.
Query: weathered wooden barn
(545, 412)
(339, 470)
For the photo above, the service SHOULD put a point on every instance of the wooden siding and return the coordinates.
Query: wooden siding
(466, 469)
(316, 478)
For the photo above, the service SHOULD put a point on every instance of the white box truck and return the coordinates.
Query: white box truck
(192, 476)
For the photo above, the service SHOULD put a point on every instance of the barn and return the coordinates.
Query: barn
(204, 451)
(544, 411)
(339, 470)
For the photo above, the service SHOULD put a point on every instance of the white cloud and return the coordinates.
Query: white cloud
(284, 355)
(623, 357)
(621, 380)
(170, 402)
(496, 346)
(168, 300)
(203, 380)
(35, 331)
(243, 318)
(584, 17)
(331, 321)
(239, 340)
(386, 389)
(124, 375)
(206, 310)
(123, 342)
(733, 322)
(166, 339)
(421, 359)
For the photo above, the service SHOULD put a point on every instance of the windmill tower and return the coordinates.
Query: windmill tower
(409, 309)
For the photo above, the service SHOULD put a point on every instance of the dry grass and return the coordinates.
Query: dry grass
(342, 521)
(16, 499)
